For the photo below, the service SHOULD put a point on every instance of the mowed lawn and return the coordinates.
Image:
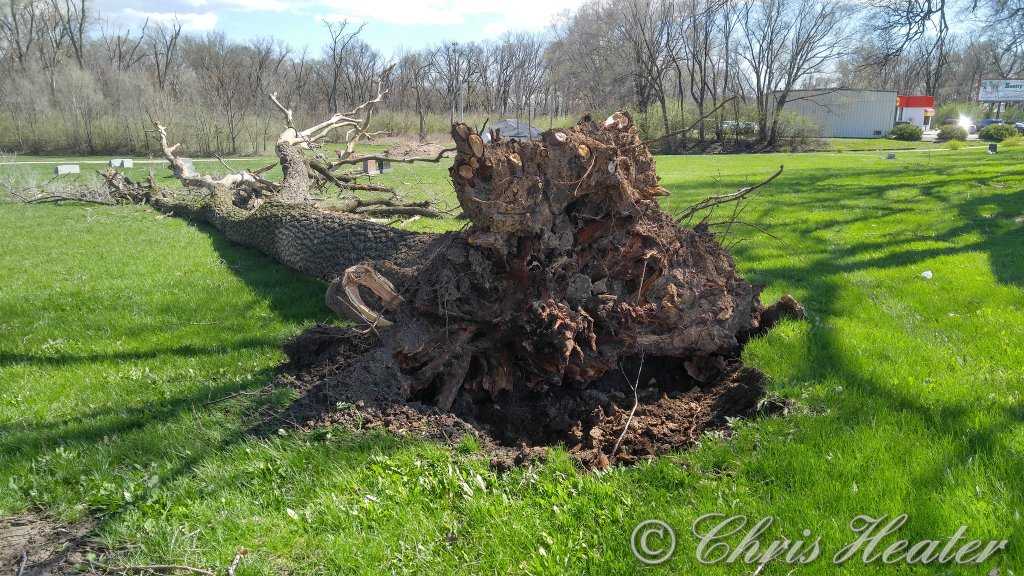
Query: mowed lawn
(120, 329)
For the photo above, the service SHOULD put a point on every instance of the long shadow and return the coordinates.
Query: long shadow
(986, 222)
(27, 441)
(121, 429)
(958, 420)
(135, 435)
(291, 295)
(1001, 230)
(184, 350)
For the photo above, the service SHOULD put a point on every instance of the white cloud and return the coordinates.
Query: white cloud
(190, 21)
(516, 15)
(338, 18)
(496, 29)
(256, 5)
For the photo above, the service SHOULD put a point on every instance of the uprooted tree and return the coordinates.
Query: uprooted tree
(568, 310)
(570, 286)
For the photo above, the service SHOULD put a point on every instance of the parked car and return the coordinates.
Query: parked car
(1019, 126)
(988, 122)
(743, 127)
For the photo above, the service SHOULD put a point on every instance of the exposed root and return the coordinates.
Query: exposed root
(344, 299)
(521, 326)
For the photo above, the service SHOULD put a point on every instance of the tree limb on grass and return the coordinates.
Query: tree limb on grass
(712, 201)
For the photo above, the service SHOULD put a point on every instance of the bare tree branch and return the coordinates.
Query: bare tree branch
(713, 201)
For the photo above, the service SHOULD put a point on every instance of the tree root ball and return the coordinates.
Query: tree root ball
(571, 301)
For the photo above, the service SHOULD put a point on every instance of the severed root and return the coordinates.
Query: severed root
(786, 307)
(344, 299)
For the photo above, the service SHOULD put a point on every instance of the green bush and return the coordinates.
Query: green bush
(907, 132)
(1013, 141)
(950, 132)
(997, 132)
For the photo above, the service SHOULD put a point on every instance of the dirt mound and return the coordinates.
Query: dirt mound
(33, 545)
(414, 149)
(572, 310)
(328, 367)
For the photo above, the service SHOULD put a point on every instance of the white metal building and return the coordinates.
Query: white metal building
(846, 113)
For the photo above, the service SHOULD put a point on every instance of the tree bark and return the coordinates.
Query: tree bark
(312, 241)
(296, 185)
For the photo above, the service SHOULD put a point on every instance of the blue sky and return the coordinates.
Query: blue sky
(389, 24)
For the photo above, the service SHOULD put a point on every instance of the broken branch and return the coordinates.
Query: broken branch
(713, 201)
(357, 160)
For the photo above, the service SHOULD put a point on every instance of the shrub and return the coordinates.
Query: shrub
(950, 132)
(997, 132)
(1014, 141)
(955, 144)
(907, 132)
(796, 132)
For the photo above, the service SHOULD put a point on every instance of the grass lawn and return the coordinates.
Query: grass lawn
(868, 144)
(119, 326)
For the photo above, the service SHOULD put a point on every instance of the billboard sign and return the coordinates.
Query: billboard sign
(1001, 91)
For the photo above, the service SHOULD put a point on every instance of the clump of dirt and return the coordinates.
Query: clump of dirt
(328, 367)
(414, 149)
(572, 310)
(33, 545)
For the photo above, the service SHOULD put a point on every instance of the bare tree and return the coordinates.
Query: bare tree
(647, 27)
(331, 75)
(73, 19)
(450, 67)
(162, 42)
(701, 33)
(225, 71)
(784, 43)
(19, 24)
(414, 69)
(124, 51)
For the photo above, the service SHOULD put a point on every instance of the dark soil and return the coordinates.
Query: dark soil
(33, 545)
(329, 368)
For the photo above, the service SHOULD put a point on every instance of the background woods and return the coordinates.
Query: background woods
(73, 80)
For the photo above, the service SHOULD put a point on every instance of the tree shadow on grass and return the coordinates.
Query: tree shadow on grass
(961, 430)
(965, 427)
(184, 350)
(292, 295)
(994, 215)
(151, 446)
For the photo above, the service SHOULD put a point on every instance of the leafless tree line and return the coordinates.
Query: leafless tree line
(71, 81)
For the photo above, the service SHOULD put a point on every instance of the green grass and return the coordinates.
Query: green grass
(415, 182)
(868, 144)
(117, 327)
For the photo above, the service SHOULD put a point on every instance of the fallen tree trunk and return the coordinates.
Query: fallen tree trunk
(281, 219)
(303, 237)
(570, 310)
